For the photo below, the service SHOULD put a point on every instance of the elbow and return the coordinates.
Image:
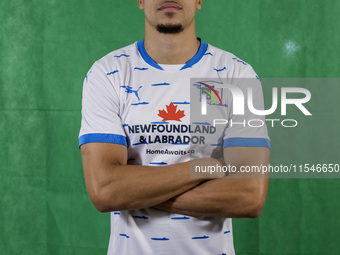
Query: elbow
(99, 202)
(257, 198)
(256, 205)
(104, 203)
(251, 203)
(255, 211)
(101, 205)
(248, 207)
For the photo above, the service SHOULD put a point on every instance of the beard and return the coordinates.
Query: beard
(170, 28)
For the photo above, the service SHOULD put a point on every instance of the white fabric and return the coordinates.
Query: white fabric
(123, 95)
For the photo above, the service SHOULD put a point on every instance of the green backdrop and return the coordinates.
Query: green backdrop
(46, 49)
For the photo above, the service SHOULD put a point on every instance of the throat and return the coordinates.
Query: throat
(171, 52)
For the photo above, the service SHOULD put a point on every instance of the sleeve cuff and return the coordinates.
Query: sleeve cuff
(247, 142)
(102, 138)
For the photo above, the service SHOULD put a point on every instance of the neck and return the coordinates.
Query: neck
(171, 49)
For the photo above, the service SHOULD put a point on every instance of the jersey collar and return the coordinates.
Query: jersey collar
(195, 59)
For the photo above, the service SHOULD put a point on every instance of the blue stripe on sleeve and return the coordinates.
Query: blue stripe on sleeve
(247, 142)
(102, 138)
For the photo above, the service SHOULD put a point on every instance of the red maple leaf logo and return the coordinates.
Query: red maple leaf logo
(172, 113)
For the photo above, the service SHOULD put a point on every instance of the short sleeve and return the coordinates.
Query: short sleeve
(247, 129)
(101, 121)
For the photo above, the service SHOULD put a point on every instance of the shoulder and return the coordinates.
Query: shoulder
(105, 74)
(118, 58)
(235, 65)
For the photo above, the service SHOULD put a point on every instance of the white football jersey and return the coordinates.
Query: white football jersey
(131, 100)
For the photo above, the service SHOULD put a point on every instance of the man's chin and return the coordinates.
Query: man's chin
(170, 28)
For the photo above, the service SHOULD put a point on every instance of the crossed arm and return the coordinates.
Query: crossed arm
(113, 185)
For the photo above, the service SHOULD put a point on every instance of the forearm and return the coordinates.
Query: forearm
(238, 195)
(113, 185)
(228, 197)
(134, 187)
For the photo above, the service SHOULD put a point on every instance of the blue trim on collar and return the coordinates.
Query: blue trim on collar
(195, 59)
(146, 56)
(200, 53)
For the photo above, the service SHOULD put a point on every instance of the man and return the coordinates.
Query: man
(136, 102)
